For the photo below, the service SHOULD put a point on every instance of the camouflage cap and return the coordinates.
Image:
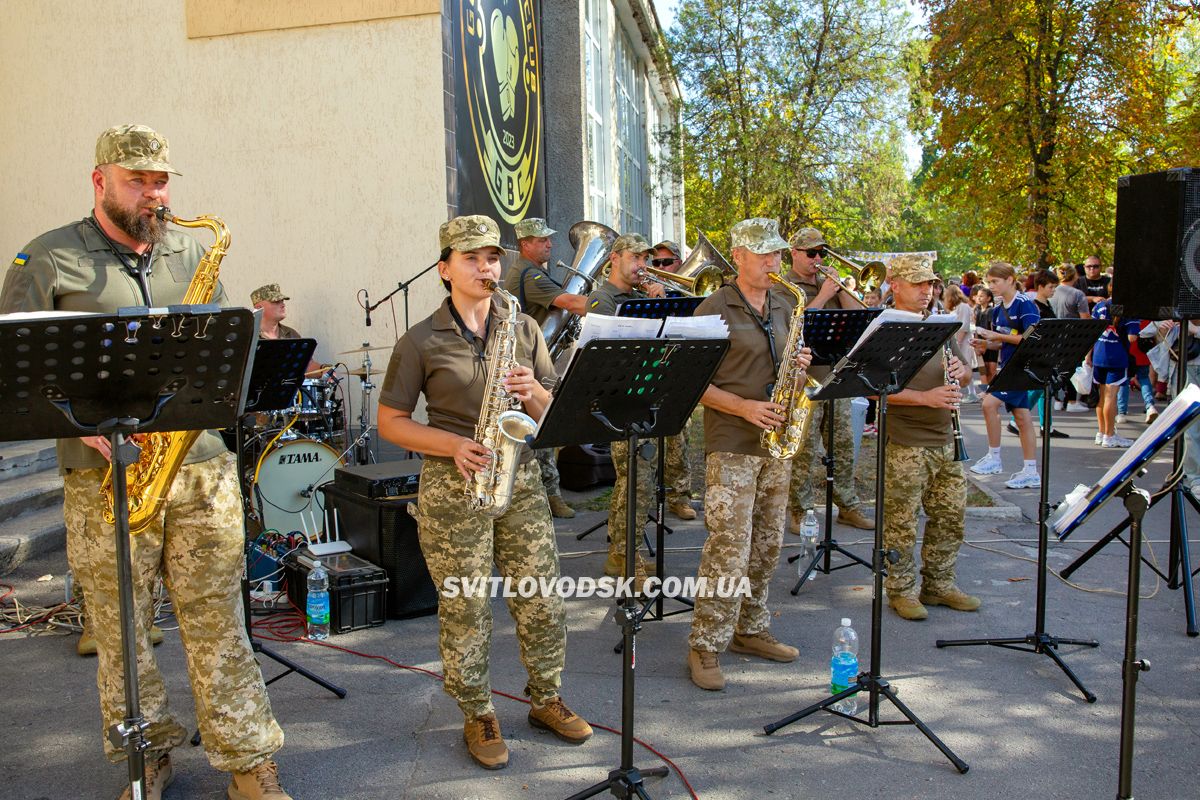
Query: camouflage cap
(758, 235)
(807, 239)
(470, 232)
(667, 244)
(532, 227)
(134, 147)
(912, 268)
(270, 293)
(633, 242)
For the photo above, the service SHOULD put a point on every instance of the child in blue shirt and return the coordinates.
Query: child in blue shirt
(1110, 370)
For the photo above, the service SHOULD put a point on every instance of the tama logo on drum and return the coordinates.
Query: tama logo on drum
(300, 458)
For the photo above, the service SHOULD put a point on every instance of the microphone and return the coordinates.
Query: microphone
(367, 304)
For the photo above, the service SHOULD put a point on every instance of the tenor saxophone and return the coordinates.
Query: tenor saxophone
(790, 382)
(149, 480)
(501, 428)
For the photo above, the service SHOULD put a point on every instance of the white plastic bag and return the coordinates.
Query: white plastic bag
(1082, 379)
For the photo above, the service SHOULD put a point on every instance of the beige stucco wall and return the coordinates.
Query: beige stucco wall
(321, 147)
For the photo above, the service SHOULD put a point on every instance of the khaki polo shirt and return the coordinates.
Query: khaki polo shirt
(606, 298)
(747, 369)
(922, 426)
(437, 358)
(540, 288)
(73, 268)
(810, 291)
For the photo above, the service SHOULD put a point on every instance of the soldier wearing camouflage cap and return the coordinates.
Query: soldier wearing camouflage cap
(529, 280)
(745, 498)
(921, 472)
(123, 255)
(807, 247)
(271, 300)
(627, 262)
(444, 358)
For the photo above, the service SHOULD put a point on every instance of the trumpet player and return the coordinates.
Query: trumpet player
(626, 281)
(921, 470)
(528, 279)
(807, 247)
(745, 498)
(445, 357)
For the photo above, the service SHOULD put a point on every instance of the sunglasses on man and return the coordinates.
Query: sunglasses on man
(662, 262)
(814, 252)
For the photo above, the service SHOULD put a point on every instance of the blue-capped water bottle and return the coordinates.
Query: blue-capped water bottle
(843, 666)
(318, 602)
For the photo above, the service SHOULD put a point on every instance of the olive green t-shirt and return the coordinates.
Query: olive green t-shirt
(607, 296)
(73, 268)
(922, 426)
(540, 288)
(451, 367)
(747, 370)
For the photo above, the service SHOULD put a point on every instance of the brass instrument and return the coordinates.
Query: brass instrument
(868, 276)
(501, 428)
(706, 254)
(162, 454)
(785, 441)
(706, 280)
(592, 242)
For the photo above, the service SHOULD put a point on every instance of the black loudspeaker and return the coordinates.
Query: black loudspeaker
(382, 532)
(1156, 263)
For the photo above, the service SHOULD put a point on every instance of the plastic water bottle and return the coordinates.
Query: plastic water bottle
(809, 533)
(318, 602)
(843, 666)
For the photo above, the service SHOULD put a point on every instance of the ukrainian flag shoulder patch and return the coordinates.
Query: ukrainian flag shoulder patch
(20, 260)
(595, 303)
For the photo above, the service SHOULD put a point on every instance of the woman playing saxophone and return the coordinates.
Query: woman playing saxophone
(475, 352)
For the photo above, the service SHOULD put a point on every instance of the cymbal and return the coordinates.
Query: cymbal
(360, 372)
(363, 349)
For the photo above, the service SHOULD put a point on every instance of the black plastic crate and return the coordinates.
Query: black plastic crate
(357, 589)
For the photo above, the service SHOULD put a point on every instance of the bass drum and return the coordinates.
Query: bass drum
(285, 489)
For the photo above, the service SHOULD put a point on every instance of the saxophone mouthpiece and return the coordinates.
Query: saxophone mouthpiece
(490, 285)
(163, 213)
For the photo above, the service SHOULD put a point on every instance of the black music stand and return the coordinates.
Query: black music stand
(830, 333)
(881, 365)
(1118, 482)
(1044, 361)
(628, 389)
(1179, 565)
(140, 370)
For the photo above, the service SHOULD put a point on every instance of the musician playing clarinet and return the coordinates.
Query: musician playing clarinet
(921, 470)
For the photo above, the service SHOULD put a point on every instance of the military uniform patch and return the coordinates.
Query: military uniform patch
(20, 260)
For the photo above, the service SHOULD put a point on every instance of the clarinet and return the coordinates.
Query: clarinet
(960, 447)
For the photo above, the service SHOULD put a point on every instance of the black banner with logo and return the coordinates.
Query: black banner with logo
(500, 138)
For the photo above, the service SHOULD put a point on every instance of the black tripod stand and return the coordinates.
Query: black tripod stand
(830, 333)
(881, 365)
(1179, 572)
(631, 388)
(1044, 361)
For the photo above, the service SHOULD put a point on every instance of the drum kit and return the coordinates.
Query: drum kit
(291, 452)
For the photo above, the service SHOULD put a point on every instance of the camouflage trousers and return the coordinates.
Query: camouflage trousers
(678, 474)
(197, 547)
(548, 462)
(616, 508)
(745, 505)
(807, 470)
(927, 477)
(459, 543)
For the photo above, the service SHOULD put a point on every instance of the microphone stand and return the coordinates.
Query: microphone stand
(400, 287)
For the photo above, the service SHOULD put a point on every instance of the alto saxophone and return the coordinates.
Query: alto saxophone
(784, 441)
(501, 428)
(149, 480)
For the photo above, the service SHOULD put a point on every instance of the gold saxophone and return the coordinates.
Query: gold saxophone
(783, 442)
(501, 428)
(150, 479)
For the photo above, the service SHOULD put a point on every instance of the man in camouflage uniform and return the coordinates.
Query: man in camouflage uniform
(122, 255)
(626, 258)
(745, 498)
(528, 280)
(271, 299)
(807, 246)
(921, 470)
(678, 477)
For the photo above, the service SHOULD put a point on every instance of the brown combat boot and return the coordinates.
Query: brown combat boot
(484, 742)
(682, 508)
(908, 608)
(705, 669)
(158, 777)
(260, 783)
(763, 645)
(854, 518)
(559, 507)
(561, 721)
(955, 598)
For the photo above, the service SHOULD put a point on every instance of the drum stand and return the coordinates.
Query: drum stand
(362, 445)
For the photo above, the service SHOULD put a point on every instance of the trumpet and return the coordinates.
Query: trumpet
(868, 276)
(704, 282)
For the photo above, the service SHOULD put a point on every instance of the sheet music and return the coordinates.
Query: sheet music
(896, 315)
(20, 316)
(603, 326)
(708, 326)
